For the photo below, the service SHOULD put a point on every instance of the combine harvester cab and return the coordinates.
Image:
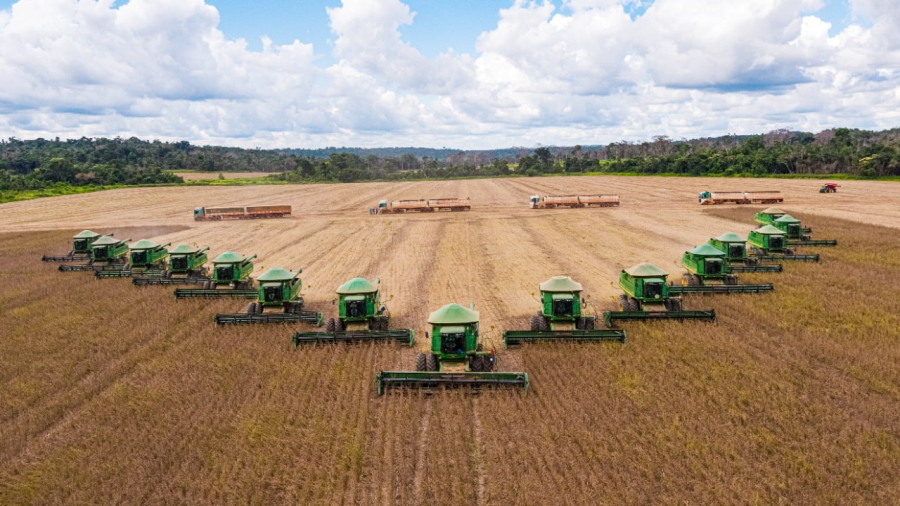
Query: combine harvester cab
(456, 357)
(107, 254)
(229, 269)
(797, 235)
(81, 248)
(770, 215)
(737, 260)
(647, 297)
(278, 288)
(707, 273)
(186, 266)
(146, 257)
(361, 317)
(770, 244)
(561, 318)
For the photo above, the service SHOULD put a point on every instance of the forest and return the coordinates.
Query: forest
(40, 163)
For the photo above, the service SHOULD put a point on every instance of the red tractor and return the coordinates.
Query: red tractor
(829, 188)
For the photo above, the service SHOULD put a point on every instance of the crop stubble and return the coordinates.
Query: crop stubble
(124, 395)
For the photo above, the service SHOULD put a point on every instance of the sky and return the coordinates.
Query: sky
(467, 74)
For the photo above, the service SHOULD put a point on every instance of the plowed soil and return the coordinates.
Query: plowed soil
(110, 393)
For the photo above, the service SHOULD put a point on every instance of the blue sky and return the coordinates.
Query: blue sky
(370, 73)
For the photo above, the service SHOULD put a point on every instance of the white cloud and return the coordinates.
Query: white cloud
(587, 73)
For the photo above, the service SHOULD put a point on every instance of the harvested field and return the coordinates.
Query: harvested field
(197, 176)
(114, 394)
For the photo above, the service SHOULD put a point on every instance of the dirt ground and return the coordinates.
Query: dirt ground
(113, 394)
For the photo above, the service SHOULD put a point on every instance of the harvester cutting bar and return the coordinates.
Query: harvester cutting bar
(678, 289)
(184, 293)
(199, 280)
(76, 268)
(812, 242)
(754, 268)
(403, 336)
(388, 379)
(611, 316)
(65, 258)
(797, 258)
(516, 337)
(245, 318)
(125, 273)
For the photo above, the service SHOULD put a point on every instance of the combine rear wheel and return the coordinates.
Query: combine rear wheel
(431, 362)
(421, 366)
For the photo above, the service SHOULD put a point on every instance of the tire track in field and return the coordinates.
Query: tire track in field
(422, 457)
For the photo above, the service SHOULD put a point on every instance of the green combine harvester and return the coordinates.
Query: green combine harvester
(107, 253)
(361, 317)
(768, 217)
(561, 318)
(735, 249)
(456, 358)
(768, 243)
(707, 273)
(229, 269)
(647, 297)
(278, 288)
(795, 235)
(81, 248)
(186, 266)
(146, 257)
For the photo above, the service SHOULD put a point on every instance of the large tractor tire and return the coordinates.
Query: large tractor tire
(421, 365)
(693, 280)
(588, 324)
(475, 363)
(329, 327)
(339, 325)
(788, 251)
(731, 280)
(623, 302)
(535, 323)
(431, 362)
(542, 323)
(488, 364)
(673, 304)
(633, 304)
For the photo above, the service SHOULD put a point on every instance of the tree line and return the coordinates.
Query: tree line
(40, 163)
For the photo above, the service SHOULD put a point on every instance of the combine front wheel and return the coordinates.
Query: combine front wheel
(329, 327)
(431, 362)
(421, 366)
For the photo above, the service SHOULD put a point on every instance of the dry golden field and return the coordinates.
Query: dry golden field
(114, 394)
